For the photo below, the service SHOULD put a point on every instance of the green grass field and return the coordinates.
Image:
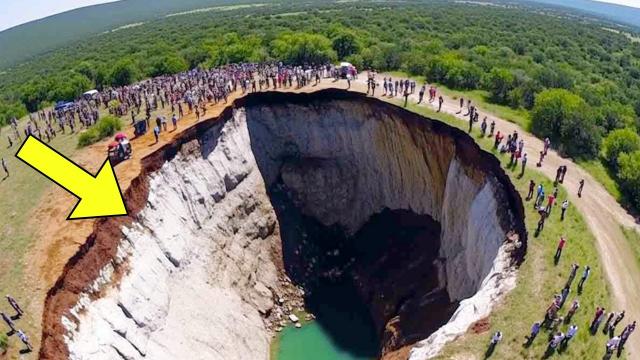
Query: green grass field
(21, 192)
(634, 239)
(603, 175)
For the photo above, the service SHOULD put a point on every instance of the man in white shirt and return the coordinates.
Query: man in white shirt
(571, 332)
(565, 205)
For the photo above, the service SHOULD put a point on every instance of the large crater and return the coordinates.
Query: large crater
(247, 216)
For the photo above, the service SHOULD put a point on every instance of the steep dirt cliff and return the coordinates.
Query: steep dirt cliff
(211, 262)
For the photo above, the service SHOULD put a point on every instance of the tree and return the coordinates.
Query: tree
(68, 87)
(33, 93)
(629, 176)
(447, 68)
(87, 69)
(618, 142)
(231, 48)
(9, 110)
(552, 107)
(194, 56)
(345, 44)
(303, 48)
(566, 119)
(580, 136)
(614, 115)
(123, 73)
(463, 75)
(416, 63)
(524, 95)
(167, 65)
(500, 82)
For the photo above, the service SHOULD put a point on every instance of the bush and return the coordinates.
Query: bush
(618, 142)
(629, 176)
(105, 127)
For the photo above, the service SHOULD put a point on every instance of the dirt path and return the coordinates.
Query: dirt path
(58, 239)
(602, 212)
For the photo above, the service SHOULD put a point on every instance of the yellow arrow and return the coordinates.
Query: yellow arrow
(100, 195)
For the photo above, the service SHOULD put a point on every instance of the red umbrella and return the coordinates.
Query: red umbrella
(120, 136)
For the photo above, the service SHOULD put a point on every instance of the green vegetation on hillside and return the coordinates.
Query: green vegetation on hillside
(29, 40)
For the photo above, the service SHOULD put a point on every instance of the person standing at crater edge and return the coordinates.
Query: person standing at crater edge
(4, 167)
(9, 322)
(14, 304)
(565, 206)
(532, 186)
(561, 244)
(585, 276)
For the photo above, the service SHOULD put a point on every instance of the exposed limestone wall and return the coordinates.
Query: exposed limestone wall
(200, 268)
(199, 265)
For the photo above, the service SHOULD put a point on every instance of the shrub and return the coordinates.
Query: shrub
(618, 142)
(105, 127)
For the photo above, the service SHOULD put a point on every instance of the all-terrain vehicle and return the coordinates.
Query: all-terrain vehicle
(120, 149)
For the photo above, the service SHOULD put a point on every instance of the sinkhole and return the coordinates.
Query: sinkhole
(395, 231)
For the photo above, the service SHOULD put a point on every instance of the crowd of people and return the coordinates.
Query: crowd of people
(190, 90)
(187, 92)
(558, 340)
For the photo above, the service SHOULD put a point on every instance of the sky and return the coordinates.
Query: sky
(16, 12)
(632, 3)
